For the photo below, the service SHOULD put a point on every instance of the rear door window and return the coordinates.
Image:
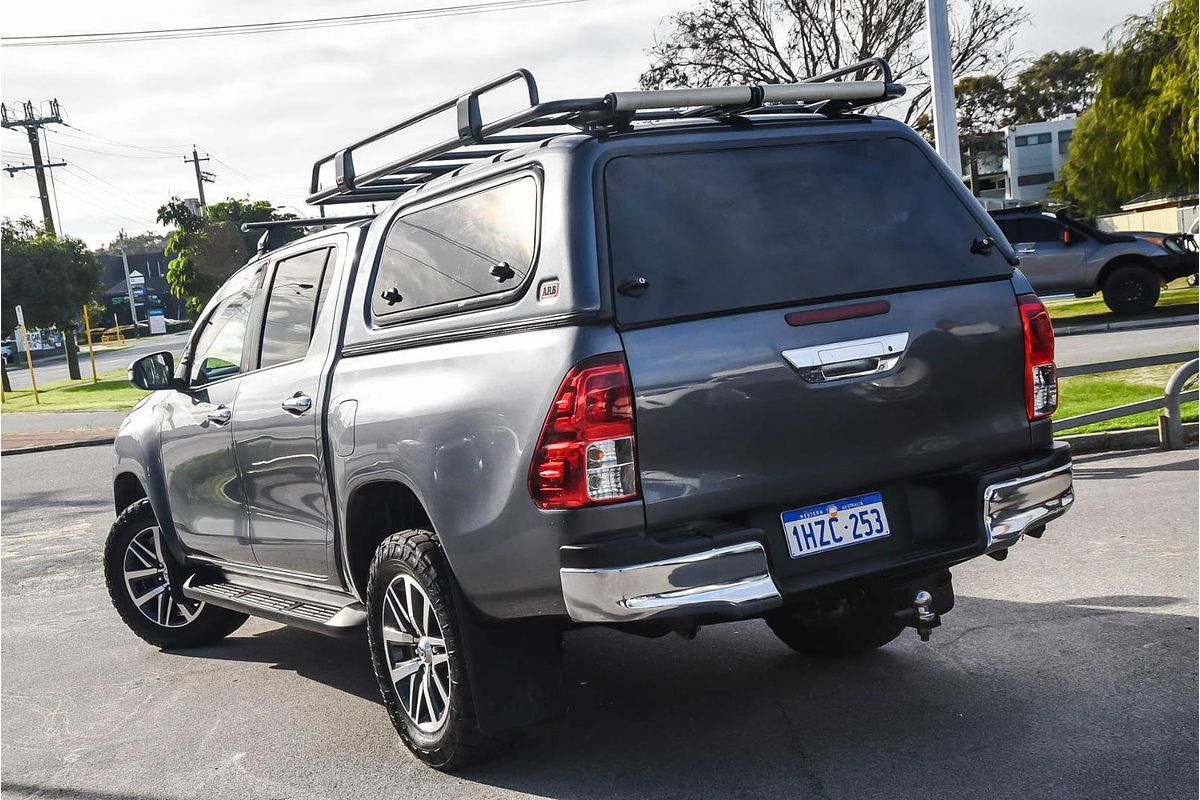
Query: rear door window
(1041, 230)
(724, 230)
(296, 291)
(460, 251)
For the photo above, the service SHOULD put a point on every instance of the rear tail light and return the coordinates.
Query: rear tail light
(585, 455)
(1041, 376)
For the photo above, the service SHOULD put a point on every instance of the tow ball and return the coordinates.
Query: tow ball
(927, 620)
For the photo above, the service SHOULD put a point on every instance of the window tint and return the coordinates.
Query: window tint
(1011, 229)
(296, 292)
(1035, 178)
(1041, 230)
(218, 351)
(476, 245)
(728, 229)
(1033, 138)
(1064, 141)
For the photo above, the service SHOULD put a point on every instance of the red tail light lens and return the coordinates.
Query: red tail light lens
(585, 455)
(1041, 376)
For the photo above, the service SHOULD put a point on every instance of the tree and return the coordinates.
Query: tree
(148, 242)
(983, 106)
(207, 250)
(1054, 85)
(1140, 134)
(50, 277)
(783, 41)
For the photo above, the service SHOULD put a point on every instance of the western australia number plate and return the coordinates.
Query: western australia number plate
(840, 523)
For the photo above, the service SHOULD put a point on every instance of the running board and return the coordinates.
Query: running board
(330, 613)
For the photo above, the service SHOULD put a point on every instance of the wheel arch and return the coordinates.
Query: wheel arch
(374, 511)
(1123, 260)
(127, 490)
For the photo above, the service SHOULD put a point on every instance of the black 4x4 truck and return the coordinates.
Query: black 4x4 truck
(651, 360)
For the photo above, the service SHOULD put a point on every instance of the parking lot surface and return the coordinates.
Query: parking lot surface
(1067, 671)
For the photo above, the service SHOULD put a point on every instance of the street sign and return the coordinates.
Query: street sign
(136, 278)
(20, 317)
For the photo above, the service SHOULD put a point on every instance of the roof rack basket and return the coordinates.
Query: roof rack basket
(476, 139)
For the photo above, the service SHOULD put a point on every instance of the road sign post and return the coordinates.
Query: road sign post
(28, 355)
(87, 333)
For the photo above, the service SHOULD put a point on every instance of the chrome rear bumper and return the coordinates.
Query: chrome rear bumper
(1014, 507)
(732, 580)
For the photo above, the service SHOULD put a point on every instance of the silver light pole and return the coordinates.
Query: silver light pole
(945, 123)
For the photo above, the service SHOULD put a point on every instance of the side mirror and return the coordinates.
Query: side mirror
(153, 372)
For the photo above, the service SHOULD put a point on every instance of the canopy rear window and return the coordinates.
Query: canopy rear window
(722, 230)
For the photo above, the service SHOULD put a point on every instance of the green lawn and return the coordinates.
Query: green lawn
(1085, 393)
(112, 393)
(1070, 308)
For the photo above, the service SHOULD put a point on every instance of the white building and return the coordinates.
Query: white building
(1036, 152)
(1033, 157)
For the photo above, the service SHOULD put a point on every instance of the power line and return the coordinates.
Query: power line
(70, 146)
(81, 194)
(53, 185)
(160, 34)
(88, 136)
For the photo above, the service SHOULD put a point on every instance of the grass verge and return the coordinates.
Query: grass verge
(1070, 308)
(1082, 394)
(112, 393)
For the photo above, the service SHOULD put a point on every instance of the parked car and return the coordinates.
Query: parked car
(1060, 254)
(651, 375)
(7, 348)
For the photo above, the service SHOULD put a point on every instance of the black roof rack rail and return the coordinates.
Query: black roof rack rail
(273, 228)
(476, 139)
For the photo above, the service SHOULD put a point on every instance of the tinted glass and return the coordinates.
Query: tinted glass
(1011, 229)
(218, 351)
(728, 229)
(1041, 230)
(292, 307)
(463, 249)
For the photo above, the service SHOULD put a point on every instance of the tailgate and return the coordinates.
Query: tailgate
(725, 423)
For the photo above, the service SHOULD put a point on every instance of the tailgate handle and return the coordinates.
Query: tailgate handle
(852, 359)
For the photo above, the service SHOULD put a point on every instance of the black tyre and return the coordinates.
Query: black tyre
(1131, 289)
(858, 629)
(144, 583)
(413, 630)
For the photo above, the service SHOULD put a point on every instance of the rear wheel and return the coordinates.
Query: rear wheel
(145, 583)
(1131, 289)
(857, 626)
(415, 647)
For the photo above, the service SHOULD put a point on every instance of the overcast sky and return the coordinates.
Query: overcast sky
(265, 106)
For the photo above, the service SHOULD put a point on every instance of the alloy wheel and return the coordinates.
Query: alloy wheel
(415, 649)
(148, 581)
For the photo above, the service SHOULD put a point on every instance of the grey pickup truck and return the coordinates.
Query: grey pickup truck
(652, 360)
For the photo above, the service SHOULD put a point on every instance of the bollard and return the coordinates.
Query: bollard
(1170, 424)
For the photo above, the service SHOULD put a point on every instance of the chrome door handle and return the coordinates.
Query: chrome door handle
(297, 404)
(220, 415)
(851, 359)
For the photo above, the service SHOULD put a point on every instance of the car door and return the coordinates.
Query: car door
(277, 420)
(203, 482)
(1051, 264)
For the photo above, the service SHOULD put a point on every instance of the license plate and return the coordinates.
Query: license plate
(840, 523)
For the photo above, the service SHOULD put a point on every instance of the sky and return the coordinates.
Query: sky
(265, 106)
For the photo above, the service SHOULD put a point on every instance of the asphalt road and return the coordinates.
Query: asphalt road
(1091, 348)
(1067, 671)
(106, 361)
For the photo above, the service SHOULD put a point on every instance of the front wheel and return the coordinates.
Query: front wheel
(1132, 289)
(413, 631)
(145, 583)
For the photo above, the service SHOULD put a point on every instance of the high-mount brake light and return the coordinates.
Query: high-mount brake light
(1041, 376)
(586, 454)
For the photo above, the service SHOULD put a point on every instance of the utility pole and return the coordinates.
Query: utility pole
(945, 122)
(129, 286)
(202, 177)
(32, 121)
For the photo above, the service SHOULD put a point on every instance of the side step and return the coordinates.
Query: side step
(320, 610)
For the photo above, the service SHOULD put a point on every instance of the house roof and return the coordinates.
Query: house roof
(1164, 199)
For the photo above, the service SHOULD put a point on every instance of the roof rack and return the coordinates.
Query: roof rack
(475, 140)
